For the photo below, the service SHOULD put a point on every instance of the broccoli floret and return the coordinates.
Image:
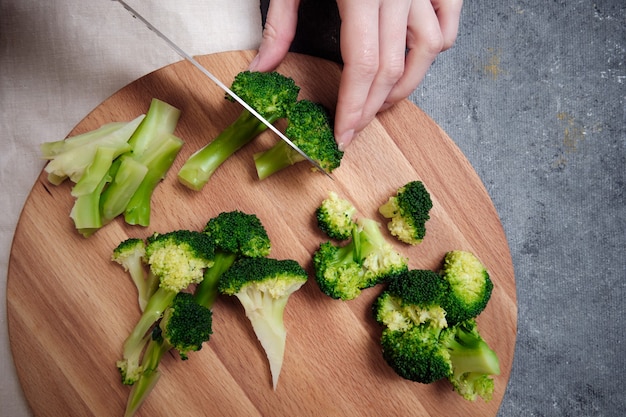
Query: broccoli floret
(336, 217)
(131, 255)
(364, 261)
(470, 286)
(310, 128)
(269, 94)
(409, 211)
(235, 234)
(412, 298)
(178, 259)
(473, 361)
(185, 326)
(263, 286)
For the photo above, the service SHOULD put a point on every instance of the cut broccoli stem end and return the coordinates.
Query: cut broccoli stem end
(277, 158)
(127, 179)
(161, 118)
(149, 376)
(200, 166)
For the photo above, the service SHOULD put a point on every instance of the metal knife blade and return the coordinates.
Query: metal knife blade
(220, 84)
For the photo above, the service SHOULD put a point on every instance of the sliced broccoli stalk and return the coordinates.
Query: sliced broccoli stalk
(409, 210)
(309, 127)
(473, 362)
(269, 94)
(178, 259)
(161, 119)
(263, 286)
(130, 254)
(185, 326)
(127, 176)
(235, 234)
(86, 209)
(49, 150)
(72, 162)
(365, 260)
(470, 286)
(158, 160)
(336, 217)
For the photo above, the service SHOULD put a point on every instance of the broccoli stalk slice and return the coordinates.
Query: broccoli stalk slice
(128, 176)
(276, 158)
(49, 150)
(207, 291)
(266, 317)
(161, 119)
(200, 166)
(130, 254)
(158, 161)
(73, 162)
(86, 209)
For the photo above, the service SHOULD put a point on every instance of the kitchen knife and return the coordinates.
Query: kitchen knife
(220, 84)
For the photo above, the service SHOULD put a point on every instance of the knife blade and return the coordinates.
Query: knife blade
(220, 84)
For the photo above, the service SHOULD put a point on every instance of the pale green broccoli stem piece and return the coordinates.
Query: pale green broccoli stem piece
(149, 377)
(161, 119)
(159, 162)
(276, 158)
(115, 198)
(86, 210)
(49, 150)
(72, 163)
(200, 166)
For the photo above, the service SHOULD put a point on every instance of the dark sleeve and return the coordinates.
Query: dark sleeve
(317, 33)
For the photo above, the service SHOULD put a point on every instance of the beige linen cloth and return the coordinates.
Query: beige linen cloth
(58, 60)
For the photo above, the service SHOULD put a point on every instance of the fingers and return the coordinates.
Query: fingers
(278, 33)
(449, 13)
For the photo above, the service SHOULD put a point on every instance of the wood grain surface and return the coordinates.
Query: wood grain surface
(70, 308)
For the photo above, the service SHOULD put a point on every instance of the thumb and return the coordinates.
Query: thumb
(278, 33)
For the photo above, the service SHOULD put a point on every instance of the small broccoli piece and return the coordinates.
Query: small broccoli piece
(473, 361)
(336, 217)
(409, 211)
(365, 260)
(269, 94)
(309, 127)
(235, 234)
(412, 298)
(263, 286)
(185, 326)
(70, 158)
(130, 254)
(178, 259)
(470, 286)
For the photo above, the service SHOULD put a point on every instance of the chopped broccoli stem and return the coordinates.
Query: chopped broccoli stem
(130, 254)
(158, 160)
(115, 198)
(49, 150)
(278, 157)
(149, 377)
(199, 168)
(161, 119)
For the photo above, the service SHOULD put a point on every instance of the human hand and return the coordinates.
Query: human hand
(387, 47)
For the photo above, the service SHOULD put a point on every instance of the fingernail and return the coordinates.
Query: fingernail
(254, 63)
(344, 140)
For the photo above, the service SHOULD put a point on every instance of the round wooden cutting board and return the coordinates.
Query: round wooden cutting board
(70, 307)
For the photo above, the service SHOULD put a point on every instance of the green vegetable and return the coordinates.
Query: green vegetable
(336, 217)
(263, 286)
(185, 326)
(235, 234)
(309, 127)
(469, 283)
(420, 344)
(270, 94)
(130, 254)
(178, 259)
(409, 211)
(364, 261)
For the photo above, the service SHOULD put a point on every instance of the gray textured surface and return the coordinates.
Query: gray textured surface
(534, 94)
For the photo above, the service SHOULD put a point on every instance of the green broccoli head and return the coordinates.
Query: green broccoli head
(310, 128)
(179, 258)
(269, 93)
(415, 354)
(473, 361)
(470, 286)
(185, 325)
(335, 217)
(364, 261)
(263, 286)
(409, 211)
(411, 299)
(239, 233)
